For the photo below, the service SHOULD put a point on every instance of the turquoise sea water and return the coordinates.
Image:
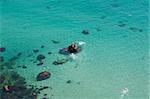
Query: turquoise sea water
(114, 57)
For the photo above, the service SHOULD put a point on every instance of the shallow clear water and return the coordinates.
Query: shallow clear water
(114, 57)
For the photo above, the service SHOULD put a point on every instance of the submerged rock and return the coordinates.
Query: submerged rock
(43, 75)
(103, 17)
(47, 7)
(24, 67)
(42, 46)
(49, 53)
(135, 29)
(45, 94)
(2, 78)
(124, 36)
(98, 29)
(55, 42)
(121, 24)
(69, 81)
(41, 63)
(59, 62)
(85, 32)
(1, 59)
(2, 49)
(78, 83)
(19, 66)
(140, 30)
(15, 76)
(40, 57)
(29, 55)
(115, 5)
(35, 50)
(19, 54)
(45, 87)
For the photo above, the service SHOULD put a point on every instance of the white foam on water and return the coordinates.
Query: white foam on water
(73, 56)
(81, 43)
(124, 92)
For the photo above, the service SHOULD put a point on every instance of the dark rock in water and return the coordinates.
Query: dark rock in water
(2, 49)
(49, 52)
(124, 36)
(41, 63)
(35, 50)
(98, 29)
(55, 42)
(2, 78)
(42, 46)
(39, 92)
(51, 88)
(34, 61)
(140, 30)
(15, 76)
(14, 58)
(45, 94)
(143, 58)
(30, 85)
(47, 7)
(29, 55)
(120, 21)
(115, 5)
(102, 17)
(31, 60)
(59, 62)
(85, 32)
(134, 29)
(19, 54)
(122, 25)
(45, 87)
(18, 66)
(1, 59)
(43, 75)
(69, 81)
(52, 95)
(40, 57)
(78, 83)
(24, 67)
